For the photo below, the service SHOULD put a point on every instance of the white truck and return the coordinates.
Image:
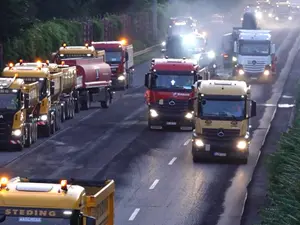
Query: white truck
(254, 55)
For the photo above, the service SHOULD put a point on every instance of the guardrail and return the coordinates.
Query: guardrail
(146, 50)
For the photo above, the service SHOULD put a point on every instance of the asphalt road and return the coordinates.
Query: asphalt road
(157, 182)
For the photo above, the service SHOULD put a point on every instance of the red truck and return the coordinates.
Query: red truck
(119, 55)
(93, 80)
(169, 87)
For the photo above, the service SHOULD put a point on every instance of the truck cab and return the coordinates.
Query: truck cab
(222, 110)
(169, 86)
(73, 202)
(283, 12)
(18, 119)
(254, 56)
(119, 55)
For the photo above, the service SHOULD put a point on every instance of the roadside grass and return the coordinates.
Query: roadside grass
(283, 206)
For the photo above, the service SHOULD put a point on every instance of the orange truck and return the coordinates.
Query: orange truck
(74, 202)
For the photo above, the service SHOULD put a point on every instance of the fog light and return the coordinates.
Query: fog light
(121, 78)
(241, 145)
(189, 115)
(241, 72)
(290, 18)
(44, 117)
(267, 72)
(153, 113)
(199, 143)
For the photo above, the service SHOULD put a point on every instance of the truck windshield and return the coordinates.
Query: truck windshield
(9, 220)
(283, 9)
(228, 109)
(9, 101)
(113, 57)
(254, 48)
(174, 81)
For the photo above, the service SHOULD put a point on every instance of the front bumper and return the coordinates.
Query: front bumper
(117, 84)
(170, 120)
(241, 74)
(220, 149)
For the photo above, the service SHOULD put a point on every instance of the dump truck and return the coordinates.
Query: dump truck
(69, 80)
(18, 113)
(50, 88)
(93, 80)
(222, 112)
(119, 55)
(169, 87)
(67, 52)
(74, 202)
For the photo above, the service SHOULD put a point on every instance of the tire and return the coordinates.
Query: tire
(46, 131)
(105, 104)
(77, 106)
(86, 104)
(28, 136)
(195, 159)
(62, 112)
(53, 126)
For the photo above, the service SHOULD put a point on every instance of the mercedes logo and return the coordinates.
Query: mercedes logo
(171, 103)
(253, 62)
(221, 134)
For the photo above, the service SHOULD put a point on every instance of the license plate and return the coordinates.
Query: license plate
(221, 154)
(171, 123)
(253, 78)
(207, 148)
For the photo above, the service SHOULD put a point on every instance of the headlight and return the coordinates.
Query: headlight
(290, 18)
(44, 117)
(211, 54)
(267, 72)
(163, 44)
(241, 145)
(153, 113)
(276, 18)
(258, 15)
(189, 39)
(234, 59)
(16, 132)
(241, 72)
(270, 15)
(189, 115)
(121, 78)
(199, 143)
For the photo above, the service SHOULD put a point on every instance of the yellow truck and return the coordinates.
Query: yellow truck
(69, 94)
(74, 202)
(222, 111)
(18, 113)
(50, 88)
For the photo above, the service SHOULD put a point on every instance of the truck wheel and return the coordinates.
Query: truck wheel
(35, 132)
(57, 123)
(77, 107)
(105, 104)
(53, 126)
(72, 109)
(62, 113)
(28, 136)
(85, 105)
(195, 159)
(68, 110)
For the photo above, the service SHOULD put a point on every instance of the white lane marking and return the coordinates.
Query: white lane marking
(134, 214)
(172, 161)
(154, 184)
(187, 142)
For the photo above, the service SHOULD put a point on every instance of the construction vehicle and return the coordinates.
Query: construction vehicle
(67, 52)
(69, 95)
(50, 88)
(18, 113)
(93, 80)
(169, 83)
(74, 202)
(119, 55)
(254, 56)
(222, 112)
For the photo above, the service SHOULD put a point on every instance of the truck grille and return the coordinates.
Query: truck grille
(5, 130)
(172, 106)
(259, 67)
(214, 133)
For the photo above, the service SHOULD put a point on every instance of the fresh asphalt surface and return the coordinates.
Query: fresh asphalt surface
(157, 182)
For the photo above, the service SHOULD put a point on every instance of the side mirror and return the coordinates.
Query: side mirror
(190, 105)
(52, 87)
(88, 220)
(163, 50)
(147, 80)
(235, 47)
(253, 108)
(126, 56)
(273, 50)
(26, 101)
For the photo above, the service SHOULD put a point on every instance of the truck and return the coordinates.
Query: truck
(69, 95)
(67, 52)
(254, 56)
(93, 80)
(169, 87)
(18, 113)
(45, 201)
(50, 88)
(119, 55)
(283, 12)
(222, 111)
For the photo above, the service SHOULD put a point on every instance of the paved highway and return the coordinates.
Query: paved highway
(157, 181)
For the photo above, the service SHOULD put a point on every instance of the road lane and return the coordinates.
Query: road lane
(184, 191)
